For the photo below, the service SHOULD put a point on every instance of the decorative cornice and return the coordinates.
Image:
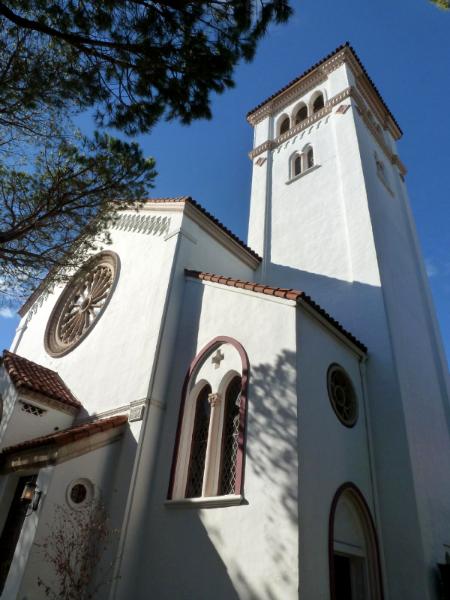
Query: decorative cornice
(150, 225)
(264, 147)
(334, 62)
(319, 72)
(323, 112)
(171, 205)
(349, 92)
(297, 89)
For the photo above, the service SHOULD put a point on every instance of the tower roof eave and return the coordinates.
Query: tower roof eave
(355, 62)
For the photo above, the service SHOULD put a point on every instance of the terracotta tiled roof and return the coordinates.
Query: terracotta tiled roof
(26, 374)
(67, 436)
(289, 294)
(192, 202)
(338, 49)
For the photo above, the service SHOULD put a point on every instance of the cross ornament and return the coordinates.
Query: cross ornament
(217, 359)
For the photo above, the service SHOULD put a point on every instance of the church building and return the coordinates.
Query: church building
(260, 422)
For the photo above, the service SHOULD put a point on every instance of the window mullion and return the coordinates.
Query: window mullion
(210, 478)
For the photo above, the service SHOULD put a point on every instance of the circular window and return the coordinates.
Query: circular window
(81, 304)
(342, 396)
(79, 492)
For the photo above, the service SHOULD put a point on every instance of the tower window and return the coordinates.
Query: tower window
(284, 125)
(208, 457)
(302, 114)
(318, 103)
(301, 162)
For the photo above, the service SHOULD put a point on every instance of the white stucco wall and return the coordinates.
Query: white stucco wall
(417, 349)
(110, 367)
(330, 454)
(99, 467)
(340, 235)
(236, 552)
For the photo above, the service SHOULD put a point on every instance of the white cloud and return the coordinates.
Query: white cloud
(431, 268)
(7, 313)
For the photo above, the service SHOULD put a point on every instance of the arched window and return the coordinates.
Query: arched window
(302, 114)
(300, 162)
(209, 449)
(296, 165)
(284, 126)
(230, 437)
(199, 444)
(355, 570)
(318, 103)
(309, 158)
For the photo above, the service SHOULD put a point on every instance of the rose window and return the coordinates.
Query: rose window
(342, 396)
(81, 303)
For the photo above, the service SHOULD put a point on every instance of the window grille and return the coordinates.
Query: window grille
(199, 445)
(230, 439)
(342, 395)
(31, 409)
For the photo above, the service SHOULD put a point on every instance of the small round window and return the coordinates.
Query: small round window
(79, 492)
(342, 396)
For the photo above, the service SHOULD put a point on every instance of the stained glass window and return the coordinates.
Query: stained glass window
(230, 438)
(199, 444)
(342, 395)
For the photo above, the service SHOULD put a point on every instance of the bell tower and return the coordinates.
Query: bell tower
(330, 215)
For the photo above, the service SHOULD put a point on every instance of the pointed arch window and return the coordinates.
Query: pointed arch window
(208, 457)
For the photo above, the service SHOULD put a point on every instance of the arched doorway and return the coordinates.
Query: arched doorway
(354, 561)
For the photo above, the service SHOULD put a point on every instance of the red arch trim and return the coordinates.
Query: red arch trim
(355, 490)
(240, 463)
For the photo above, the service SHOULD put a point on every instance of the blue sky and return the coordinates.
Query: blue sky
(404, 45)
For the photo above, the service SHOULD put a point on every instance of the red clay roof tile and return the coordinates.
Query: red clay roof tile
(28, 375)
(289, 294)
(318, 64)
(66, 436)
